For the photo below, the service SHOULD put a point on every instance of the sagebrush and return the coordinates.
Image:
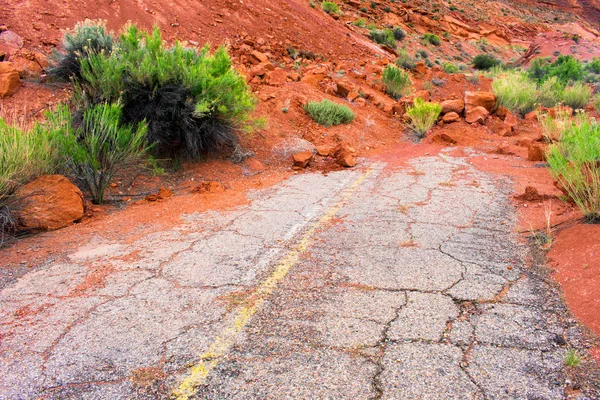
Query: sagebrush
(88, 37)
(515, 91)
(423, 115)
(396, 81)
(574, 164)
(328, 113)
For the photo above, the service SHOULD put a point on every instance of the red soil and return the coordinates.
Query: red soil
(575, 257)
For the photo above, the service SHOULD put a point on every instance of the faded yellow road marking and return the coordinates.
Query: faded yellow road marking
(198, 373)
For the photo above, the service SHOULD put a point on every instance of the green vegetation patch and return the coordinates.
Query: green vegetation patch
(328, 113)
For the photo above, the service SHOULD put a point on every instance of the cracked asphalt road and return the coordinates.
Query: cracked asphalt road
(380, 283)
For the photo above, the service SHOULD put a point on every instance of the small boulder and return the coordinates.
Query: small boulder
(456, 106)
(511, 121)
(450, 117)
(353, 96)
(49, 202)
(536, 153)
(259, 57)
(476, 115)
(420, 68)
(486, 100)
(277, 77)
(210, 187)
(323, 151)
(398, 109)
(160, 195)
(502, 112)
(343, 88)
(302, 159)
(9, 79)
(343, 156)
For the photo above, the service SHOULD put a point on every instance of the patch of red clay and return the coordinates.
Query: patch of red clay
(575, 257)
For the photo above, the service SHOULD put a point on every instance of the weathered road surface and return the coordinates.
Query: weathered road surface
(380, 282)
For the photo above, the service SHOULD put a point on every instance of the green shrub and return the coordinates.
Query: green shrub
(330, 7)
(99, 147)
(423, 116)
(551, 92)
(564, 68)
(597, 102)
(485, 61)
(422, 54)
(577, 95)
(193, 101)
(396, 81)
(450, 68)
(383, 36)
(515, 91)
(328, 113)
(24, 155)
(361, 23)
(88, 37)
(574, 164)
(433, 39)
(405, 61)
(399, 33)
(593, 66)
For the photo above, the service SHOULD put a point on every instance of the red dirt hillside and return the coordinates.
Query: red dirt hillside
(213, 21)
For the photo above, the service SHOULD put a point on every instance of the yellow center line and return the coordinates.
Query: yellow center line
(198, 373)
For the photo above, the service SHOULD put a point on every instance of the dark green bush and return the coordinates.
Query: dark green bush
(328, 113)
(383, 37)
(98, 147)
(192, 101)
(433, 39)
(593, 66)
(399, 33)
(485, 61)
(88, 37)
(405, 61)
(422, 54)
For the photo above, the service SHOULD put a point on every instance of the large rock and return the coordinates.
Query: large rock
(486, 100)
(9, 79)
(476, 115)
(49, 202)
(456, 106)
